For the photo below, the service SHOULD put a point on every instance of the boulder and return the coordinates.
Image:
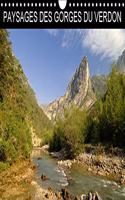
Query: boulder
(66, 195)
(83, 197)
(58, 196)
(44, 177)
(39, 158)
(90, 196)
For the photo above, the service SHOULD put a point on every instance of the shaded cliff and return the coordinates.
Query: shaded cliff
(99, 83)
(121, 62)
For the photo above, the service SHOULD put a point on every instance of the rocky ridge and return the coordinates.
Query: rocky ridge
(121, 62)
(79, 92)
(99, 83)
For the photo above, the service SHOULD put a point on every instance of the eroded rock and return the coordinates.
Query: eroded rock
(78, 91)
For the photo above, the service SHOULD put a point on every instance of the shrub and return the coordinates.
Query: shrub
(4, 166)
(69, 132)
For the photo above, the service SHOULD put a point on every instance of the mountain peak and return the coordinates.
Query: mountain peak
(84, 63)
(79, 80)
(85, 59)
(79, 92)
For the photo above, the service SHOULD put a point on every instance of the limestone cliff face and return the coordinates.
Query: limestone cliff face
(79, 92)
(99, 83)
(121, 62)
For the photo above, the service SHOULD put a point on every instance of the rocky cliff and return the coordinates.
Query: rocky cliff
(99, 83)
(79, 92)
(121, 62)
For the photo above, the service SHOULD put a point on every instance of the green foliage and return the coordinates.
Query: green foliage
(19, 112)
(4, 166)
(69, 132)
(47, 136)
(107, 119)
(18, 107)
(103, 125)
(56, 143)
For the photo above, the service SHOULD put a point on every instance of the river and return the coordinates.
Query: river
(79, 181)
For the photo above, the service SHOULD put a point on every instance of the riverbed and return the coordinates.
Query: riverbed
(76, 180)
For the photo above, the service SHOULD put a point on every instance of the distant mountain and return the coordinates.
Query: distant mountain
(79, 92)
(99, 84)
(99, 81)
(121, 62)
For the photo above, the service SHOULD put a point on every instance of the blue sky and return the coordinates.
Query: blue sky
(50, 57)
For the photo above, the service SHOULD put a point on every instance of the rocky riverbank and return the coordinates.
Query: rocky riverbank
(49, 194)
(112, 167)
(18, 181)
(103, 165)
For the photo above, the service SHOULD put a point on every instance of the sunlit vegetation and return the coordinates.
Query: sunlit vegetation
(70, 132)
(18, 108)
(104, 124)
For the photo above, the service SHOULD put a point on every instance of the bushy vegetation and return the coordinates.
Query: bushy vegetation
(103, 125)
(18, 107)
(69, 132)
(106, 123)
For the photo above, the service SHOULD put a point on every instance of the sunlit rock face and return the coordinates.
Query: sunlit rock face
(79, 92)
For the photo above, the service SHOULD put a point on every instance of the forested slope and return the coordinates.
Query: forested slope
(19, 110)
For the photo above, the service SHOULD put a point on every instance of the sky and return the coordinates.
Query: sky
(49, 57)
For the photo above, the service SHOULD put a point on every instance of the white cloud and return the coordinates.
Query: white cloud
(52, 32)
(108, 43)
(71, 38)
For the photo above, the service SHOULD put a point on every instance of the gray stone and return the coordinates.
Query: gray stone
(79, 92)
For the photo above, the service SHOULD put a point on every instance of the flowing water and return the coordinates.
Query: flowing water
(79, 181)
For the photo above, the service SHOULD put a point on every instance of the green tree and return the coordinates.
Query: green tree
(19, 109)
(69, 132)
(107, 118)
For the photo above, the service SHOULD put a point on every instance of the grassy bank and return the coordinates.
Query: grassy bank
(15, 182)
